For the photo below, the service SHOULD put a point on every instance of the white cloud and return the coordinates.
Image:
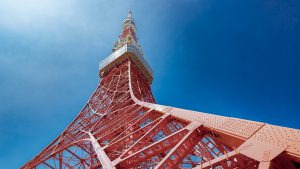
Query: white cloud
(24, 15)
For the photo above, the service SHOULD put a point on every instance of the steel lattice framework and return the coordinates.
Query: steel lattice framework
(121, 126)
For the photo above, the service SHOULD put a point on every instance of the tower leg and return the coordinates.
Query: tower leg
(105, 161)
(264, 165)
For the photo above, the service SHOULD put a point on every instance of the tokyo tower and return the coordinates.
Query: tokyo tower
(121, 126)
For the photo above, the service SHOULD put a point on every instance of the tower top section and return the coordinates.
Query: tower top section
(129, 14)
(127, 47)
(128, 35)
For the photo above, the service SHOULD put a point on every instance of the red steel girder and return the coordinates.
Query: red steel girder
(137, 134)
(121, 126)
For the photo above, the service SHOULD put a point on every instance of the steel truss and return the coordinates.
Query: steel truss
(122, 127)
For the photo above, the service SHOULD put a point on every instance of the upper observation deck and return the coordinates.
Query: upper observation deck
(128, 51)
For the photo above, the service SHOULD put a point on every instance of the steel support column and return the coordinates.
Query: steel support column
(105, 161)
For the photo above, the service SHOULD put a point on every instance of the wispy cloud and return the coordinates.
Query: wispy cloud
(26, 15)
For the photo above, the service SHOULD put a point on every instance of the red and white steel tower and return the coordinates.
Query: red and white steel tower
(121, 126)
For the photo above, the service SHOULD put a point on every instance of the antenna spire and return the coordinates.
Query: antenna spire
(129, 14)
(128, 35)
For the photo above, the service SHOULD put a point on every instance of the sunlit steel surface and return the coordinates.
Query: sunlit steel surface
(119, 56)
(121, 126)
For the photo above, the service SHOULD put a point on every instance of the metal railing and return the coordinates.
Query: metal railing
(120, 52)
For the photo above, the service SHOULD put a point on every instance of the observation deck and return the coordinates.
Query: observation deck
(123, 53)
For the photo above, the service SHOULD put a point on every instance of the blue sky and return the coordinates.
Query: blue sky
(234, 58)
